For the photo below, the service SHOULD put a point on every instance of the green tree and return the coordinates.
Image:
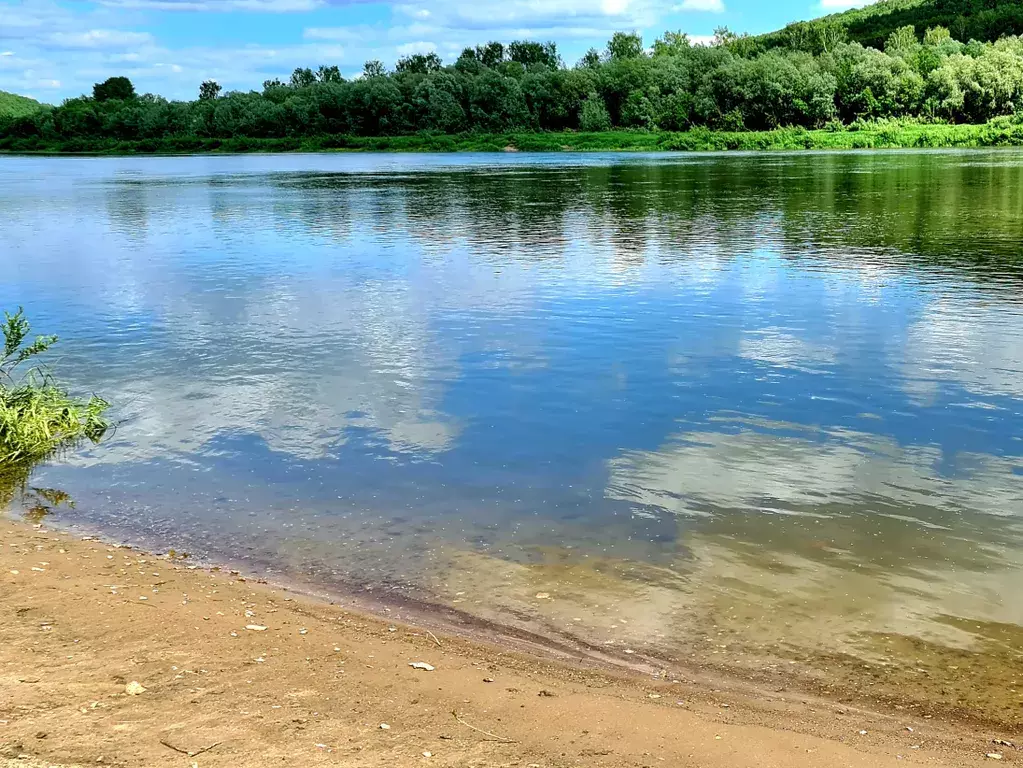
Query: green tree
(302, 77)
(374, 68)
(901, 42)
(532, 54)
(437, 104)
(935, 36)
(496, 103)
(419, 64)
(327, 74)
(594, 115)
(672, 44)
(209, 90)
(590, 60)
(114, 88)
(491, 54)
(624, 45)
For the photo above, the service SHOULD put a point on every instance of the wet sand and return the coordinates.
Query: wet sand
(82, 620)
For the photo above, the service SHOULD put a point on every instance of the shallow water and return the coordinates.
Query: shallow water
(777, 395)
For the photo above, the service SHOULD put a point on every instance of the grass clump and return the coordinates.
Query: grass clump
(37, 415)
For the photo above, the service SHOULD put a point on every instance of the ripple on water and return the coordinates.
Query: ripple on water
(739, 410)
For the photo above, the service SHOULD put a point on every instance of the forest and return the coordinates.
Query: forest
(809, 76)
(965, 19)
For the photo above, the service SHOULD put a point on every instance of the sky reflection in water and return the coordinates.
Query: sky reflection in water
(633, 380)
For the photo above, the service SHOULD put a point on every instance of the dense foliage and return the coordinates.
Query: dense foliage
(37, 415)
(813, 78)
(965, 19)
(12, 105)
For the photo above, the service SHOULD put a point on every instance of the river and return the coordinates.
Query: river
(733, 407)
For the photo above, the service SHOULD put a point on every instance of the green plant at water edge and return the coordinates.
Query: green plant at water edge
(37, 415)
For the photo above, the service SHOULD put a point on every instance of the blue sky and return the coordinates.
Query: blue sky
(52, 50)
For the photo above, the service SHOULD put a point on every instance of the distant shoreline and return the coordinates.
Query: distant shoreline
(1001, 132)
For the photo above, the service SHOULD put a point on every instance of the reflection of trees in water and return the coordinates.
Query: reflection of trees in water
(33, 503)
(924, 208)
(128, 207)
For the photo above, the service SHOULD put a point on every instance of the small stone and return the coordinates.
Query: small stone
(488, 679)
(384, 727)
(543, 596)
(134, 688)
(303, 631)
(629, 650)
(993, 756)
(256, 627)
(655, 695)
(427, 754)
(863, 733)
(422, 665)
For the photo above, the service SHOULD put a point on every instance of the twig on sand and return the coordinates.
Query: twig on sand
(186, 752)
(434, 638)
(493, 736)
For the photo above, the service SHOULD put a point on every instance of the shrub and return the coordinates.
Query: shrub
(37, 415)
(594, 115)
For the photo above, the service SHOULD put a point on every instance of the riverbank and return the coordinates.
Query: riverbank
(897, 135)
(114, 657)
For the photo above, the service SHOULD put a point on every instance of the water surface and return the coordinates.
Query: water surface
(773, 400)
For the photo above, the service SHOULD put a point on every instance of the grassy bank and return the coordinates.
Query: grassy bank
(1000, 132)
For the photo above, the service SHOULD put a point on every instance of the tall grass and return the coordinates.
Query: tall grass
(37, 415)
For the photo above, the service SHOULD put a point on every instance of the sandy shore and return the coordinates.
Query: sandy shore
(81, 622)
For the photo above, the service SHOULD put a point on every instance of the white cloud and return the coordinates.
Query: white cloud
(6, 53)
(100, 38)
(708, 6)
(339, 34)
(421, 46)
(525, 18)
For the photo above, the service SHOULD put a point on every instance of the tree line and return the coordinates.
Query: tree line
(817, 78)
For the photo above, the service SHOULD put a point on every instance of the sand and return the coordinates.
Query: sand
(85, 626)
